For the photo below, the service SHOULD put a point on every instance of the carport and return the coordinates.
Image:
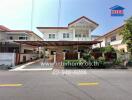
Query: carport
(59, 48)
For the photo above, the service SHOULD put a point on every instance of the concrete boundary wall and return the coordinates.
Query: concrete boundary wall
(7, 59)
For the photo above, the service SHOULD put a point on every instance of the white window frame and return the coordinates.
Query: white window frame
(51, 36)
(66, 35)
(24, 37)
(78, 35)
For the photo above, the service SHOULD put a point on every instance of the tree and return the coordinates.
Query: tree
(127, 34)
(109, 49)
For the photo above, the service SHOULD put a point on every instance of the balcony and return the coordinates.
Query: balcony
(113, 42)
(82, 39)
(116, 42)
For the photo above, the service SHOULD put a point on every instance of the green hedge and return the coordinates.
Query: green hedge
(81, 64)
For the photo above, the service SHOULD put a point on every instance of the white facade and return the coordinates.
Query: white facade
(8, 47)
(18, 36)
(7, 59)
(112, 38)
(79, 30)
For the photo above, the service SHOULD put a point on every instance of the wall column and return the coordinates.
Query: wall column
(74, 32)
(44, 53)
(100, 44)
(64, 55)
(54, 57)
(78, 55)
(89, 33)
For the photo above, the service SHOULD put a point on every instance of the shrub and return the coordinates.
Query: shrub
(109, 49)
(88, 57)
(117, 62)
(101, 61)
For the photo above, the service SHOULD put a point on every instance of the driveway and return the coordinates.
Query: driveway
(46, 85)
(34, 66)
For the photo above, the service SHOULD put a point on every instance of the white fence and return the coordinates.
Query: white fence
(28, 57)
(7, 59)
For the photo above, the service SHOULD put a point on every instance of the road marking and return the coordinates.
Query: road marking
(10, 85)
(88, 83)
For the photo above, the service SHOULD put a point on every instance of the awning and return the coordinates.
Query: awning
(57, 43)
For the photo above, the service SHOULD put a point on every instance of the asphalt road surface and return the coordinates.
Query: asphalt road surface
(43, 85)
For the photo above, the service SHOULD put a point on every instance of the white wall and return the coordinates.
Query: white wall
(7, 59)
(102, 43)
(2, 36)
(28, 57)
(28, 47)
(59, 36)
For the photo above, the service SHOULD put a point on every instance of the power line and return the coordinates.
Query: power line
(32, 14)
(59, 13)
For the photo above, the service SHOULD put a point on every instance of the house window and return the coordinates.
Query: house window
(84, 35)
(52, 52)
(23, 37)
(51, 36)
(78, 35)
(66, 35)
(11, 38)
(113, 38)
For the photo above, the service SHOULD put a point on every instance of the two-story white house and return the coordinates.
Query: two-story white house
(76, 37)
(112, 38)
(78, 30)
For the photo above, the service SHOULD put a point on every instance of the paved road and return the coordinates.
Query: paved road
(43, 85)
(39, 64)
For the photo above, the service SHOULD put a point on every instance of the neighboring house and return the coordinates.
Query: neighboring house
(76, 37)
(93, 37)
(8, 37)
(112, 38)
(24, 51)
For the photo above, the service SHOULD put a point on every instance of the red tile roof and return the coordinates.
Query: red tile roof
(114, 30)
(110, 32)
(81, 18)
(27, 31)
(68, 24)
(3, 28)
(52, 27)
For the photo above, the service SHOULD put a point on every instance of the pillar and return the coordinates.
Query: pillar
(74, 32)
(54, 57)
(89, 34)
(78, 55)
(43, 53)
(64, 55)
(100, 44)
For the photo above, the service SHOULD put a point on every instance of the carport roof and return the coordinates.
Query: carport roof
(57, 43)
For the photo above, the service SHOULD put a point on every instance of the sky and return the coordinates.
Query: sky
(16, 14)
